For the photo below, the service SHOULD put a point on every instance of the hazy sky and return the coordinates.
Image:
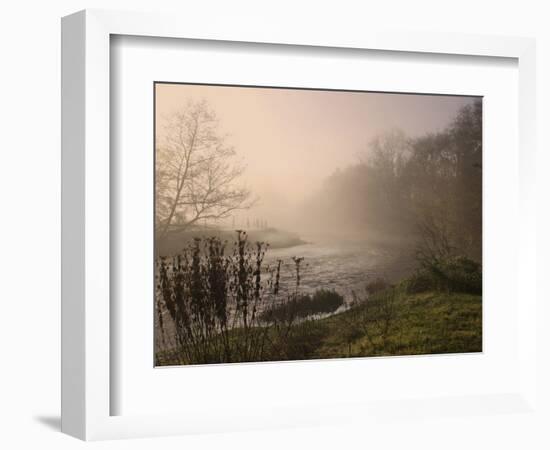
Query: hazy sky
(291, 140)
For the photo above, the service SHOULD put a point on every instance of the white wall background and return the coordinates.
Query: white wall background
(30, 198)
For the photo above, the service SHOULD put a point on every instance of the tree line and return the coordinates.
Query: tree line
(427, 188)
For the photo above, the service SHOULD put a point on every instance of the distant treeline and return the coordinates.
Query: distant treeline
(428, 188)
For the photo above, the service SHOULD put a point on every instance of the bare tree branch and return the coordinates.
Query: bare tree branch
(196, 172)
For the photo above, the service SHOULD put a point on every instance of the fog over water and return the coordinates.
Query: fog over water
(302, 224)
(292, 140)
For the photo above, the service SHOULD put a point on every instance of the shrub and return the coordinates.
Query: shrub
(302, 306)
(457, 274)
(286, 311)
(420, 282)
(324, 301)
(208, 293)
(377, 285)
(304, 339)
(461, 274)
(228, 306)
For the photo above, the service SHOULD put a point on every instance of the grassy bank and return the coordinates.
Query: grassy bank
(225, 305)
(424, 323)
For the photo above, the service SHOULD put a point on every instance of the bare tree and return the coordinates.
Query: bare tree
(436, 241)
(388, 153)
(196, 172)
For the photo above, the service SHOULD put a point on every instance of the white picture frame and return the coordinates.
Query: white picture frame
(86, 222)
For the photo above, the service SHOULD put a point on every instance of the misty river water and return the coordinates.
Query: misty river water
(343, 266)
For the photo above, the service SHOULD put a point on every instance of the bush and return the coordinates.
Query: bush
(420, 282)
(322, 302)
(377, 285)
(458, 274)
(286, 311)
(226, 305)
(214, 298)
(304, 339)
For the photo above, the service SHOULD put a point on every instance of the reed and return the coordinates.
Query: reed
(220, 301)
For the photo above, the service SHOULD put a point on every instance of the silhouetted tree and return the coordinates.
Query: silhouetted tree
(196, 172)
(427, 188)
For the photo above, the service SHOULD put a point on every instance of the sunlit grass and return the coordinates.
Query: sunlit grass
(427, 323)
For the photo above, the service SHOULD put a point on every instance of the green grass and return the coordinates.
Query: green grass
(426, 323)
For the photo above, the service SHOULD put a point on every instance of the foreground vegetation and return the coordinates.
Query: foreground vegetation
(225, 309)
(217, 301)
(426, 323)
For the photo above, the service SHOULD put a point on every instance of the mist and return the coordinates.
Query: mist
(304, 224)
(292, 141)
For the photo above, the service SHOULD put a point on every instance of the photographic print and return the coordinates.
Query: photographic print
(301, 224)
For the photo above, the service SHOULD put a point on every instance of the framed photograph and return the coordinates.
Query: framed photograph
(374, 250)
(266, 228)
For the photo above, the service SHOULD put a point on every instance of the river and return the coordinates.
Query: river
(340, 265)
(345, 266)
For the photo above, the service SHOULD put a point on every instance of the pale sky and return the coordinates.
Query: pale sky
(291, 140)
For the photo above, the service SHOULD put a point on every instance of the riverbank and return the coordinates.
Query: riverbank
(430, 322)
(278, 239)
(427, 323)
(435, 309)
